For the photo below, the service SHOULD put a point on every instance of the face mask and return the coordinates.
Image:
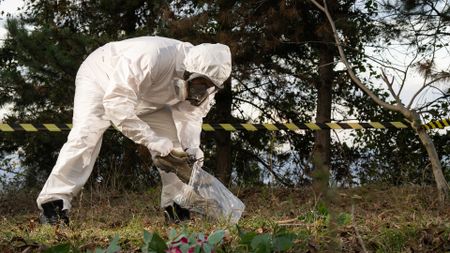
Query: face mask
(198, 93)
(180, 89)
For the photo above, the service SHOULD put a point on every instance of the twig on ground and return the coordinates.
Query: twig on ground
(293, 224)
(287, 221)
(360, 240)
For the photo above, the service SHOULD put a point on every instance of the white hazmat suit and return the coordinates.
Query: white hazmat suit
(130, 84)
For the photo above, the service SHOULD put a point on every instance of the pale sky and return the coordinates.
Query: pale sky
(8, 6)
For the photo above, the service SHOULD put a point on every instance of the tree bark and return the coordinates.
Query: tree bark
(436, 166)
(321, 155)
(322, 139)
(223, 138)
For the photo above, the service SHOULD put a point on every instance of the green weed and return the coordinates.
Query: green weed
(280, 240)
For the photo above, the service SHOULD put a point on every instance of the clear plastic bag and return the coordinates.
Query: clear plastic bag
(205, 194)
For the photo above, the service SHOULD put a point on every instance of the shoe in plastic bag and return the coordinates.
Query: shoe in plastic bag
(175, 214)
(205, 194)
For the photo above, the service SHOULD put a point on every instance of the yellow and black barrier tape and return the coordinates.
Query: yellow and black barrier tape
(443, 123)
(26, 127)
(303, 126)
(7, 127)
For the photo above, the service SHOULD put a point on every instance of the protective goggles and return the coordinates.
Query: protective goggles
(198, 92)
(196, 89)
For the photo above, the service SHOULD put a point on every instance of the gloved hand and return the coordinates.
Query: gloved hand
(196, 154)
(176, 162)
(161, 145)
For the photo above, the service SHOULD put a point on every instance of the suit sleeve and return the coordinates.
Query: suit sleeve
(189, 120)
(121, 98)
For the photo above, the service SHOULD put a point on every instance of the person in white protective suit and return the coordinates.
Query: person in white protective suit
(156, 91)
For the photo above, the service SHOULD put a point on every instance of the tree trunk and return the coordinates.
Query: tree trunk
(322, 139)
(223, 138)
(436, 166)
(321, 155)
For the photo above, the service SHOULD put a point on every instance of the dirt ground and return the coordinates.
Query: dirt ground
(366, 219)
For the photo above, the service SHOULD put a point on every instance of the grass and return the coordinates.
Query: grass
(374, 219)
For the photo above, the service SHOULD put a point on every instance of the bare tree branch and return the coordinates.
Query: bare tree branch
(426, 85)
(444, 96)
(274, 174)
(352, 74)
(320, 7)
(405, 73)
(391, 89)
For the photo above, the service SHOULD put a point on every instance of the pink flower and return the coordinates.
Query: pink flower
(183, 240)
(173, 250)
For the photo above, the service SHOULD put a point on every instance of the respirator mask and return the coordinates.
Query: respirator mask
(195, 90)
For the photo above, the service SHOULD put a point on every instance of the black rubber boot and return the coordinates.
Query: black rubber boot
(176, 214)
(53, 213)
